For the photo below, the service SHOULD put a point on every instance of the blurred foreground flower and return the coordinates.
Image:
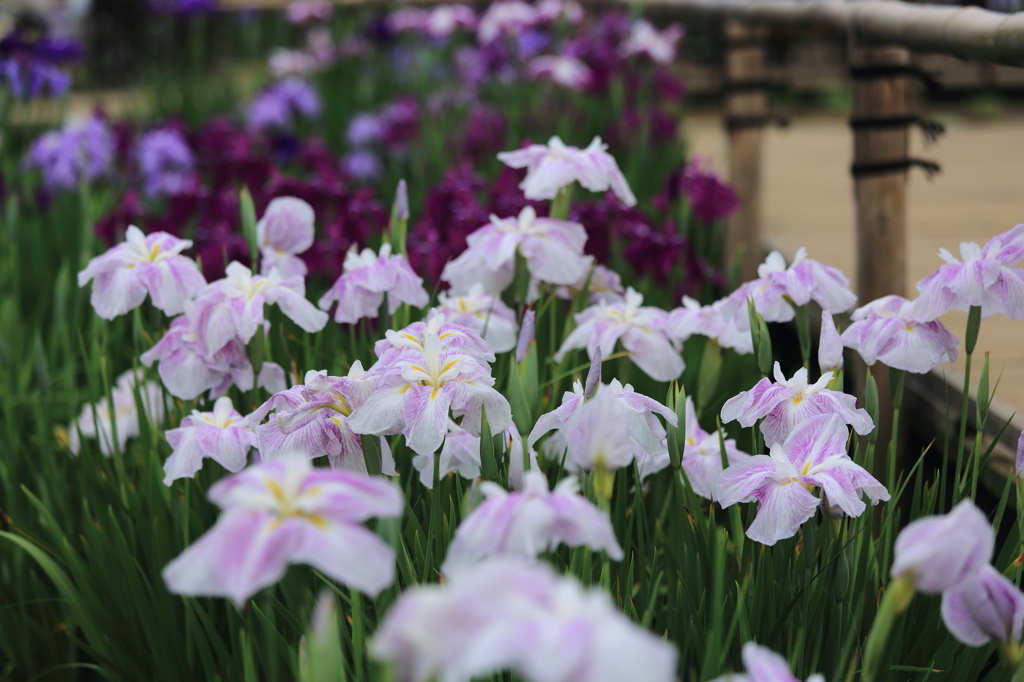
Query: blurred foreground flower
(986, 606)
(142, 264)
(940, 553)
(287, 512)
(764, 665)
(508, 613)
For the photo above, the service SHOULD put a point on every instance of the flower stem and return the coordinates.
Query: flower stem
(561, 203)
(894, 601)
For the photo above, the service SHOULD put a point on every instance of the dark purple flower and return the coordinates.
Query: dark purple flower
(484, 131)
(80, 152)
(128, 212)
(711, 198)
(401, 121)
(669, 86)
(166, 163)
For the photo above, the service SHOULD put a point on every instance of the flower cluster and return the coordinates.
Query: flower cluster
(117, 420)
(368, 277)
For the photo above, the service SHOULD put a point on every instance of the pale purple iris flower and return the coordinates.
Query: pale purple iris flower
(830, 345)
(886, 331)
(553, 250)
(272, 377)
(568, 72)
(778, 289)
(367, 278)
(553, 10)
(507, 18)
(984, 278)
(643, 331)
(461, 453)
(642, 438)
(223, 435)
(187, 368)
(555, 165)
(286, 230)
(414, 396)
(485, 314)
(81, 152)
(789, 402)
(453, 337)
(528, 523)
(693, 318)
(312, 419)
(123, 417)
(702, 454)
(645, 39)
(233, 307)
(140, 265)
(1019, 465)
(813, 455)
(512, 613)
(365, 129)
(943, 552)
(764, 665)
(986, 606)
(362, 165)
(288, 512)
(166, 163)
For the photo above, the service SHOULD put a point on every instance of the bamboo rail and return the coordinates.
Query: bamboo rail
(970, 33)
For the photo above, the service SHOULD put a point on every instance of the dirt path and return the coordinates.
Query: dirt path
(979, 193)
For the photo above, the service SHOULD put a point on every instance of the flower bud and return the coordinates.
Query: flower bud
(986, 606)
(940, 553)
(830, 347)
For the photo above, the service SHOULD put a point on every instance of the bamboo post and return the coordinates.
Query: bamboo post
(745, 110)
(881, 200)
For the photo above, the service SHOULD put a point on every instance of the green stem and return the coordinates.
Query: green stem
(963, 419)
(561, 203)
(895, 600)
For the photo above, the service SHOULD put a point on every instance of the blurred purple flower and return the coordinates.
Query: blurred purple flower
(279, 105)
(29, 67)
(365, 129)
(166, 162)
(484, 130)
(363, 165)
(532, 42)
(80, 152)
(185, 8)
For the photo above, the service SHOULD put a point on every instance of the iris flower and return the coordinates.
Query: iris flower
(140, 265)
(788, 402)
(813, 456)
(367, 278)
(702, 454)
(553, 166)
(287, 512)
(223, 435)
(285, 231)
(485, 314)
(644, 332)
(886, 330)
